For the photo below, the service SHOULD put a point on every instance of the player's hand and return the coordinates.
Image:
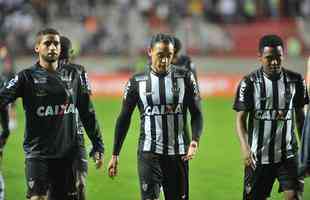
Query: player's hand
(249, 159)
(191, 152)
(112, 167)
(98, 159)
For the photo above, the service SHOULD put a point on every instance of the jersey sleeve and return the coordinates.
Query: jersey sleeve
(130, 99)
(244, 96)
(13, 89)
(88, 115)
(301, 97)
(194, 104)
(86, 87)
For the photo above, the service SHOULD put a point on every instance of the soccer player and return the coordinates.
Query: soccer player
(53, 97)
(267, 101)
(4, 120)
(164, 94)
(80, 163)
(182, 61)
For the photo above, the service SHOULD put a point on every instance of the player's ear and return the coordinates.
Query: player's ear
(259, 57)
(149, 51)
(36, 48)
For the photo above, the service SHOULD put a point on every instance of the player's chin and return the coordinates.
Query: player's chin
(163, 68)
(51, 58)
(275, 69)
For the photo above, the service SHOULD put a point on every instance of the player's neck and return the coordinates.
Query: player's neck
(49, 66)
(273, 77)
(159, 72)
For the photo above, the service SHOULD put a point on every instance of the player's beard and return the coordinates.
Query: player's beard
(161, 68)
(50, 58)
(275, 75)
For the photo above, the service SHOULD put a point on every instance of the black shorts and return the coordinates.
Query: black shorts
(258, 183)
(156, 171)
(54, 177)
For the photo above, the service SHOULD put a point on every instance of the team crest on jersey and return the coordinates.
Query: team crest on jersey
(175, 90)
(31, 184)
(144, 186)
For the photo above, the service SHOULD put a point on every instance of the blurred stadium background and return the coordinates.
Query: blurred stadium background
(110, 38)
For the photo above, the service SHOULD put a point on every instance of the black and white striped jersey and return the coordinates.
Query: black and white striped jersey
(163, 101)
(271, 105)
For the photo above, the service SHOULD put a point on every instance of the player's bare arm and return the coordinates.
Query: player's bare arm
(242, 133)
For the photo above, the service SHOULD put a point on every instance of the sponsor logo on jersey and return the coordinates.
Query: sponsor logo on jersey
(12, 82)
(127, 88)
(163, 109)
(242, 91)
(52, 110)
(273, 115)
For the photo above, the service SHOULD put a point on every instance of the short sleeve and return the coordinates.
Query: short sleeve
(244, 96)
(301, 97)
(130, 95)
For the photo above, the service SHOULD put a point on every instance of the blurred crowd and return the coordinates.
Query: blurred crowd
(122, 26)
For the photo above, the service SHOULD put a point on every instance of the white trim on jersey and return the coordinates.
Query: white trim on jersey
(280, 124)
(170, 118)
(257, 105)
(147, 120)
(158, 118)
(181, 86)
(267, 124)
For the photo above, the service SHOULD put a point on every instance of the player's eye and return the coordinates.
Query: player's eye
(47, 43)
(160, 56)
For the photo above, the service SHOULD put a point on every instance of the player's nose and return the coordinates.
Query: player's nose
(164, 60)
(274, 62)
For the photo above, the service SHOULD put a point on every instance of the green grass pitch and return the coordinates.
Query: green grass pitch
(215, 174)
